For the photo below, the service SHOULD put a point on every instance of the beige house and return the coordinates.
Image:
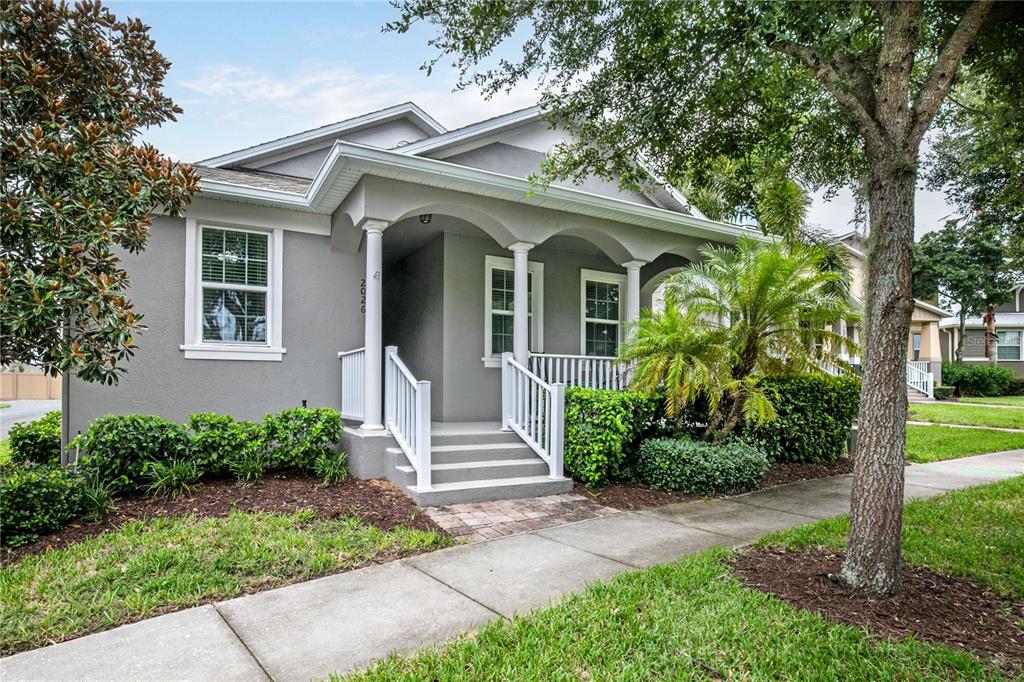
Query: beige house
(924, 349)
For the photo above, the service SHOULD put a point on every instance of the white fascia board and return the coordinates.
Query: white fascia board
(421, 117)
(365, 158)
(471, 131)
(932, 308)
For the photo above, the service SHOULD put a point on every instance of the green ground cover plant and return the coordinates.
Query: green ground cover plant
(148, 567)
(967, 415)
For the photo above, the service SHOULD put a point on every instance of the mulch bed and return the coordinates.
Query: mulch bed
(628, 495)
(929, 606)
(380, 503)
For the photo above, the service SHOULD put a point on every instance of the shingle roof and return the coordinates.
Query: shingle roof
(254, 178)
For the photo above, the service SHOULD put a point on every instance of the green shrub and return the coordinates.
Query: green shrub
(943, 392)
(602, 429)
(977, 379)
(37, 500)
(697, 467)
(1016, 386)
(249, 465)
(331, 467)
(298, 435)
(171, 479)
(118, 448)
(814, 415)
(36, 441)
(215, 438)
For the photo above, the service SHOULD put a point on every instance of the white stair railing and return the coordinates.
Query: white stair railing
(535, 410)
(919, 378)
(407, 414)
(579, 370)
(353, 383)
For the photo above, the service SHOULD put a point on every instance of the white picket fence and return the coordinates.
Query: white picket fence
(579, 370)
(919, 378)
(407, 414)
(534, 409)
(353, 383)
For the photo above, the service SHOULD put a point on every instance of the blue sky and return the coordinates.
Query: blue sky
(248, 72)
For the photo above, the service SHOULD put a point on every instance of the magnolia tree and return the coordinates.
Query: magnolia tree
(834, 93)
(77, 87)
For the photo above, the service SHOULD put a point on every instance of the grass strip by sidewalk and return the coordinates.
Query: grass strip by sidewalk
(149, 567)
(976, 533)
(966, 415)
(935, 443)
(1015, 400)
(692, 620)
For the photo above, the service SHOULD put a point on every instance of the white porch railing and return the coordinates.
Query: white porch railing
(534, 409)
(579, 370)
(353, 383)
(407, 414)
(919, 378)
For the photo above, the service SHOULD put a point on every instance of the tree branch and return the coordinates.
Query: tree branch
(833, 82)
(940, 78)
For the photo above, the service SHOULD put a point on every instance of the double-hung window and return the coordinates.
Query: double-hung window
(1009, 347)
(233, 293)
(499, 301)
(601, 294)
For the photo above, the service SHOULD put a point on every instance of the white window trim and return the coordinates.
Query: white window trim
(1020, 346)
(608, 278)
(537, 328)
(197, 349)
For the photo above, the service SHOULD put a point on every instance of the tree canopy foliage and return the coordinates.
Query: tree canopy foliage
(77, 87)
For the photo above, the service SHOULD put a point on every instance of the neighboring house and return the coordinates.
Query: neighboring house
(409, 276)
(1009, 331)
(924, 356)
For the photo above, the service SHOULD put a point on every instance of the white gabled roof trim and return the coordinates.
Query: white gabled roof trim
(347, 162)
(407, 109)
(931, 308)
(472, 131)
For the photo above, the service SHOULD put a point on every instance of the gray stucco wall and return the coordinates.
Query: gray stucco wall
(974, 347)
(413, 315)
(321, 316)
(521, 162)
(471, 390)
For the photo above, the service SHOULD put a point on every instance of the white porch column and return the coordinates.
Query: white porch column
(520, 303)
(843, 355)
(373, 323)
(632, 292)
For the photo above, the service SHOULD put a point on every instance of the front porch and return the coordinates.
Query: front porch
(458, 392)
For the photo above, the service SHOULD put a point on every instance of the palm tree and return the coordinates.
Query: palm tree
(770, 304)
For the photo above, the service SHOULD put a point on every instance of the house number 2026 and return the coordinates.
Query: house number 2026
(362, 294)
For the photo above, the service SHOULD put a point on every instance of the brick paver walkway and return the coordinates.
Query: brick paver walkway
(479, 521)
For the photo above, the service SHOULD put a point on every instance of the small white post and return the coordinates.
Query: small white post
(520, 302)
(632, 293)
(389, 385)
(506, 391)
(423, 436)
(843, 354)
(373, 323)
(556, 440)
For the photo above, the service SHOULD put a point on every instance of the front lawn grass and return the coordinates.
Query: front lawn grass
(935, 443)
(977, 533)
(149, 567)
(692, 620)
(1015, 400)
(967, 415)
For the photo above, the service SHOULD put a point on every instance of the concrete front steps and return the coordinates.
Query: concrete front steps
(476, 465)
(915, 396)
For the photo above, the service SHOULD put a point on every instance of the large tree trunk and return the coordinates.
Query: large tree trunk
(873, 562)
(960, 334)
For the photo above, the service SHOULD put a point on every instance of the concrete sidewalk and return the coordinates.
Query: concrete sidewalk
(347, 621)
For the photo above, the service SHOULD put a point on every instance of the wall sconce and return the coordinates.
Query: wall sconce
(425, 218)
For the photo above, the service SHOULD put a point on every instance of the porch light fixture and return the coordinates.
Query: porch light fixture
(425, 218)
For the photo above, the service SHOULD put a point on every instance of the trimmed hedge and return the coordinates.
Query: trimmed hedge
(297, 436)
(814, 416)
(118, 447)
(215, 439)
(36, 500)
(977, 379)
(699, 467)
(602, 428)
(1016, 386)
(37, 441)
(943, 392)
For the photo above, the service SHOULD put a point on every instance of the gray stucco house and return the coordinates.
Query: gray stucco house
(409, 276)
(1009, 326)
